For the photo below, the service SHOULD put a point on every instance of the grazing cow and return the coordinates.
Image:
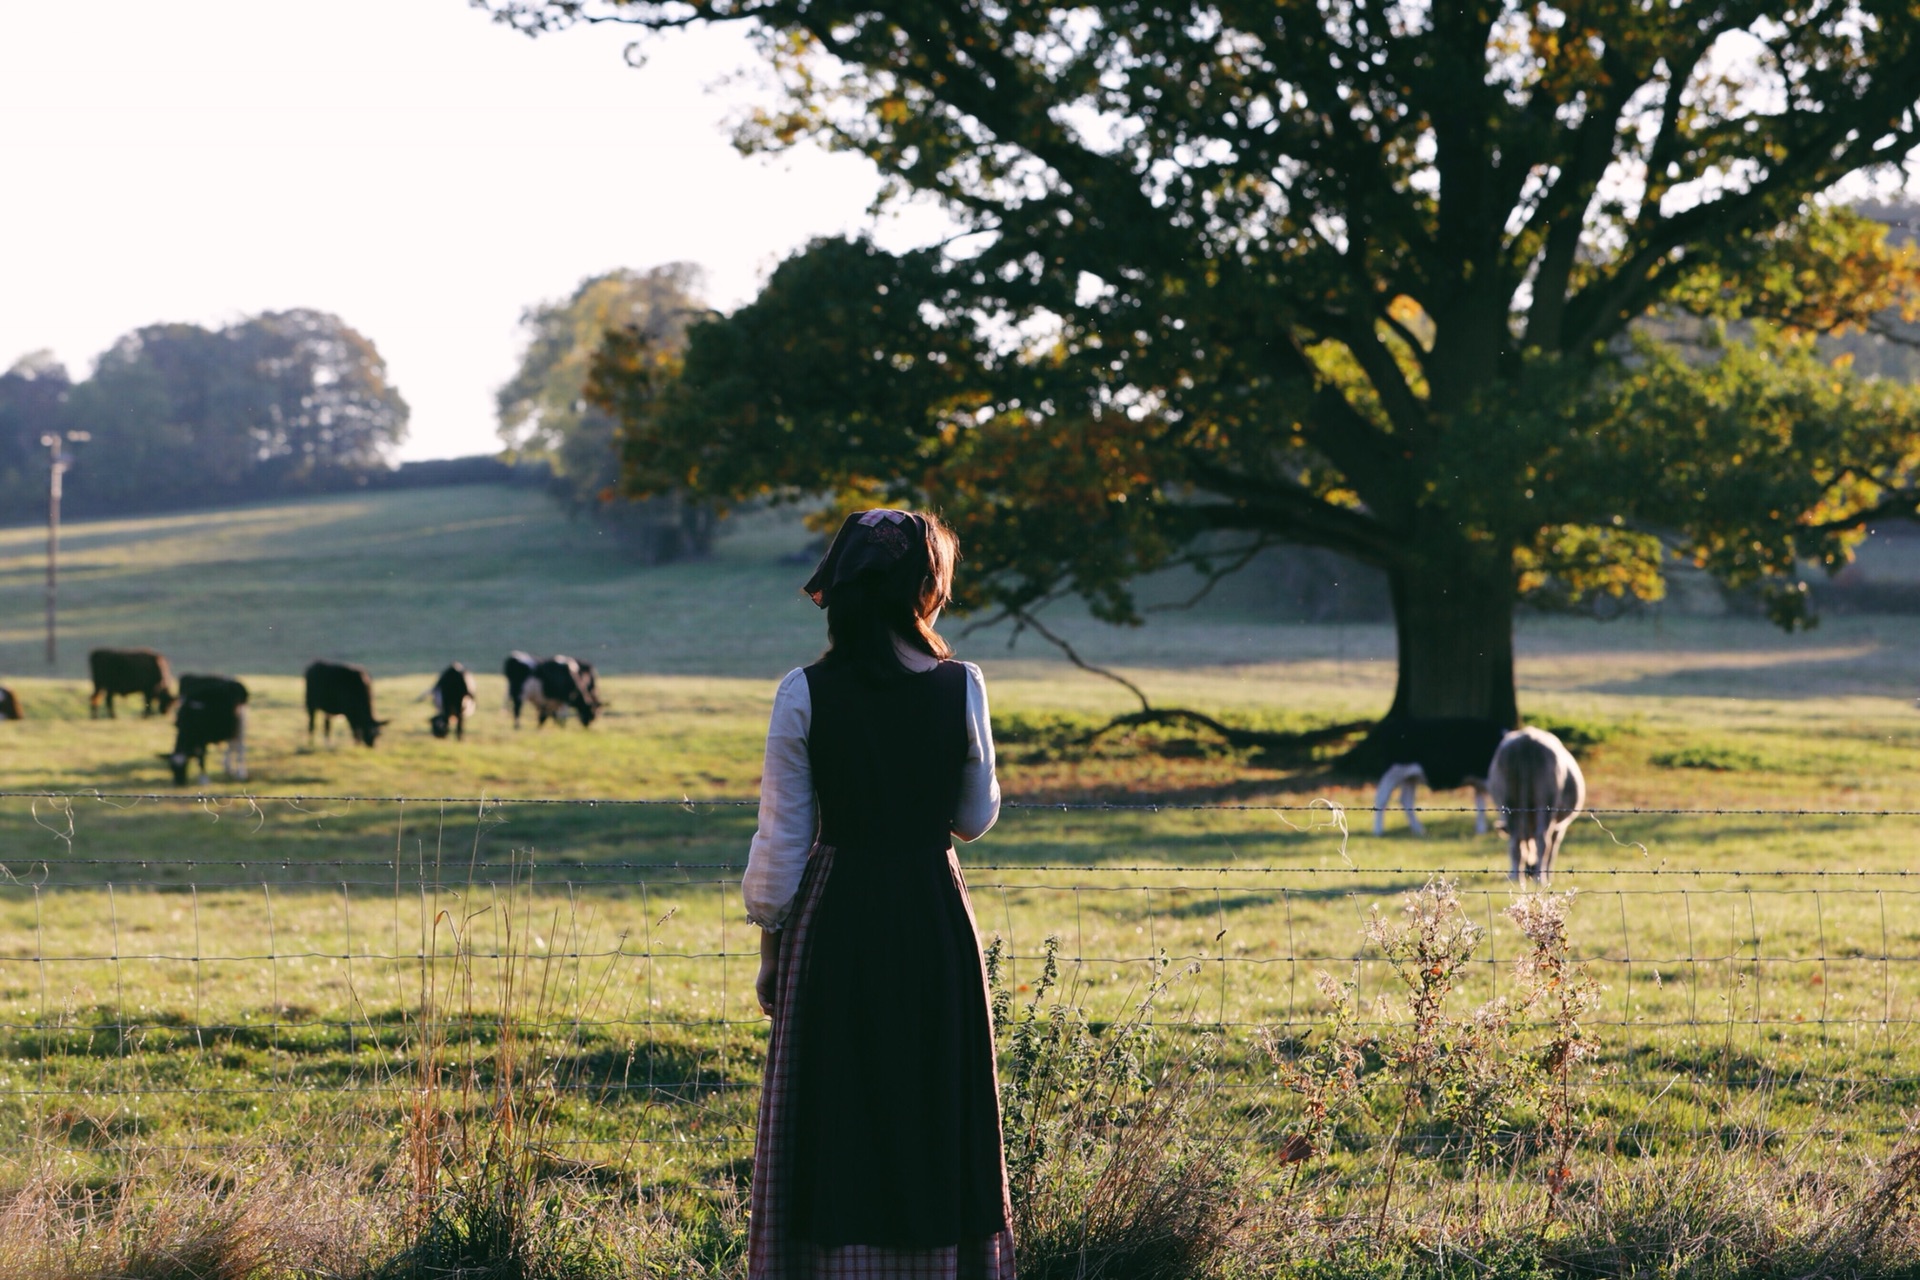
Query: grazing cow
(452, 697)
(212, 709)
(342, 689)
(1442, 753)
(10, 708)
(125, 672)
(1539, 789)
(519, 667)
(558, 685)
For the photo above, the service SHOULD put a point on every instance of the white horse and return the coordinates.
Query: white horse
(1539, 790)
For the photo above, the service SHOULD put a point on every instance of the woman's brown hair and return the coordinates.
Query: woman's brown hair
(864, 614)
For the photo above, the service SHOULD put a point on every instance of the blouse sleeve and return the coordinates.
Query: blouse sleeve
(979, 806)
(789, 813)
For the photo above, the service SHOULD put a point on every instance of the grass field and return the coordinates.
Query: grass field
(210, 970)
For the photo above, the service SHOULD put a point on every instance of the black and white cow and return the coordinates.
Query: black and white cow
(452, 696)
(519, 666)
(1443, 753)
(558, 686)
(342, 689)
(212, 709)
(125, 672)
(10, 708)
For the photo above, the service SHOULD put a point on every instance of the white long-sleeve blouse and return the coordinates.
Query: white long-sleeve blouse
(790, 811)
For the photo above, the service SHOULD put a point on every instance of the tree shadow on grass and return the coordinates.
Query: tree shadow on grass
(1791, 679)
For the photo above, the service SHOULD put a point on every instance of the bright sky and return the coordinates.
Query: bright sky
(406, 164)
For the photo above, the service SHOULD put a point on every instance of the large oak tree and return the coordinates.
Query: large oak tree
(1499, 297)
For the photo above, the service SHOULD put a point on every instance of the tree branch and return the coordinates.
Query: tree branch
(1287, 511)
(1214, 577)
(1027, 622)
(1904, 503)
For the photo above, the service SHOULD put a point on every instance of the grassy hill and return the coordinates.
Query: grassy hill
(402, 582)
(406, 581)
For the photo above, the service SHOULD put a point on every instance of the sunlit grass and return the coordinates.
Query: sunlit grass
(201, 972)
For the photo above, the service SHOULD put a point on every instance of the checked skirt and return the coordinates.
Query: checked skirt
(877, 1155)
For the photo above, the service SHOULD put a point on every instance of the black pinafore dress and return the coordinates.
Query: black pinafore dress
(878, 1155)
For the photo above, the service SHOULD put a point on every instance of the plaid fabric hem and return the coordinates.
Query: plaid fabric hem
(988, 1259)
(772, 1253)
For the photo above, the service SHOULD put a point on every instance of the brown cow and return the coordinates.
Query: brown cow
(126, 672)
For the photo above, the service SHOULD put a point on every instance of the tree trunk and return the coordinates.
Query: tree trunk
(1453, 615)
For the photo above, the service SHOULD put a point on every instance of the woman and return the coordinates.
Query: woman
(878, 1155)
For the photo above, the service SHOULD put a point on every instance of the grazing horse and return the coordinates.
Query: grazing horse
(212, 709)
(10, 708)
(1538, 787)
(452, 697)
(1444, 753)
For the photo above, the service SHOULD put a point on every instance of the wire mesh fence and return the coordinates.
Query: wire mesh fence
(204, 974)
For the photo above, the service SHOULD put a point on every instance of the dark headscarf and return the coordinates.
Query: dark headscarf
(869, 544)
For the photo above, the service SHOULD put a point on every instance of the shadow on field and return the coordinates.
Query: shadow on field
(1786, 679)
(215, 839)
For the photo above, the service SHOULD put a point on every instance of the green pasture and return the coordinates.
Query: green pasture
(205, 968)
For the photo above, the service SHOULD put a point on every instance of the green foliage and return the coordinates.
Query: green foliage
(546, 410)
(543, 409)
(1490, 1089)
(1580, 734)
(1328, 273)
(1029, 737)
(1720, 759)
(480, 1238)
(278, 402)
(1510, 1259)
(1757, 455)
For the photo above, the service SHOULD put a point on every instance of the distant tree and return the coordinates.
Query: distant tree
(329, 404)
(33, 402)
(1360, 275)
(545, 412)
(278, 402)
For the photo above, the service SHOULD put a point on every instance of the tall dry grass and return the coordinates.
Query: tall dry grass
(165, 1220)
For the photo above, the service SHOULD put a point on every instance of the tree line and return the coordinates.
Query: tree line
(180, 414)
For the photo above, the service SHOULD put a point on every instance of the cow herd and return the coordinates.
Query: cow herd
(212, 710)
(1528, 774)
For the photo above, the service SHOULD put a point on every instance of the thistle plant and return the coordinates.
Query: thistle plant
(1122, 1158)
(1465, 1078)
(1565, 994)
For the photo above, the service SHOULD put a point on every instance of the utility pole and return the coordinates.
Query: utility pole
(59, 460)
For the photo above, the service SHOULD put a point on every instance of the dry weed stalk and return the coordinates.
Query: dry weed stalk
(1566, 994)
(1466, 1080)
(480, 1156)
(1122, 1161)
